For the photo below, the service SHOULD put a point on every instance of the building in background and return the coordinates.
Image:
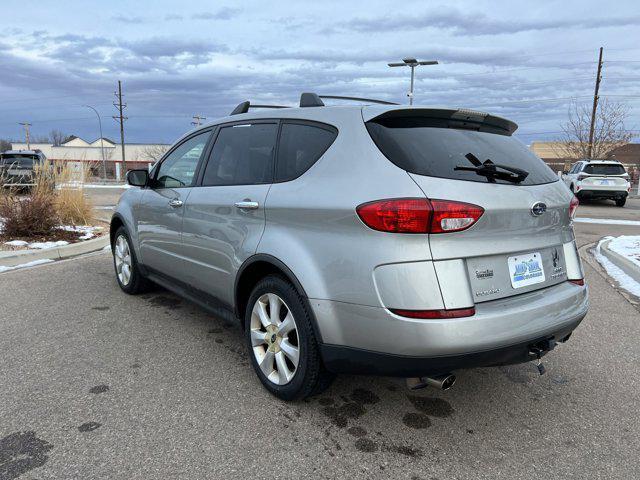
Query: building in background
(137, 155)
(551, 153)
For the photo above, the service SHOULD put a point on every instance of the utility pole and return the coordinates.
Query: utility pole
(197, 120)
(595, 104)
(121, 118)
(26, 126)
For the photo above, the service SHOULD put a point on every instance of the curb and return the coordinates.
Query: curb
(624, 264)
(19, 257)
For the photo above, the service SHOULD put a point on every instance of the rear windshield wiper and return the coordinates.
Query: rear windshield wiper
(493, 171)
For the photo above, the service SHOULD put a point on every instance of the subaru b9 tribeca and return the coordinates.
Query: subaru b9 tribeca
(379, 239)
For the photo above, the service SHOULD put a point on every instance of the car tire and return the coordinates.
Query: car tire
(279, 330)
(125, 263)
(620, 202)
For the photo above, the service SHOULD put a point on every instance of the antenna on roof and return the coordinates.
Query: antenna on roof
(310, 100)
(359, 99)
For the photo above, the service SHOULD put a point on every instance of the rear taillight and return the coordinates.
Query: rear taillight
(433, 314)
(418, 215)
(579, 281)
(573, 206)
(453, 216)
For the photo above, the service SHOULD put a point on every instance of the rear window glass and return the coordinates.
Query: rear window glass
(611, 169)
(242, 155)
(415, 145)
(300, 147)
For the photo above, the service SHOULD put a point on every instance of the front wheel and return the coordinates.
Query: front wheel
(126, 266)
(281, 342)
(620, 202)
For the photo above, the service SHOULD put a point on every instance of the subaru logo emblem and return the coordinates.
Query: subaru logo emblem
(538, 208)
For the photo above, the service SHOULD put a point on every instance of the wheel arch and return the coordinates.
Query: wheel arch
(257, 267)
(116, 222)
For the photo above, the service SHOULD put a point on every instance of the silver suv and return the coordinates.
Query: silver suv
(379, 239)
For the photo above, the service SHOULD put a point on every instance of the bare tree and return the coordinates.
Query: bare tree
(609, 131)
(57, 137)
(153, 153)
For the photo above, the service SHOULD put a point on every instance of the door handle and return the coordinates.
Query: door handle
(247, 205)
(175, 203)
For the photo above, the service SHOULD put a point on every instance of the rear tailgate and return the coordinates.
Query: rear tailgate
(602, 182)
(509, 250)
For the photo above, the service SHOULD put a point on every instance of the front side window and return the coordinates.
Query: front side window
(242, 155)
(179, 167)
(301, 145)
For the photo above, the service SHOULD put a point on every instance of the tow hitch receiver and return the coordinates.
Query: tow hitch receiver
(538, 349)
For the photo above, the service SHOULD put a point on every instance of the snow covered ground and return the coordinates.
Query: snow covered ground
(25, 265)
(629, 247)
(86, 232)
(606, 221)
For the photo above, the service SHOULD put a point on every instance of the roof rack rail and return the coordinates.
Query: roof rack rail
(359, 99)
(245, 106)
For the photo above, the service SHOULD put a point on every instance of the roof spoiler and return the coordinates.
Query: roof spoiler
(454, 118)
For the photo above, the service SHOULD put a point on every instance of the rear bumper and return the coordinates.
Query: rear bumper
(602, 193)
(362, 339)
(339, 359)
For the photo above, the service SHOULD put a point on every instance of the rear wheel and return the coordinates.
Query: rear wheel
(281, 342)
(620, 202)
(126, 266)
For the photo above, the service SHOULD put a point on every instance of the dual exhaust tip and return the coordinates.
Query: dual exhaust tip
(441, 382)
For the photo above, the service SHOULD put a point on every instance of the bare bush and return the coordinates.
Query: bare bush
(609, 131)
(33, 216)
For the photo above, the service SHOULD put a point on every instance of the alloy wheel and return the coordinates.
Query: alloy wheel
(274, 339)
(122, 256)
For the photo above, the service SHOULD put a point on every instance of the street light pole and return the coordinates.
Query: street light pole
(104, 163)
(413, 63)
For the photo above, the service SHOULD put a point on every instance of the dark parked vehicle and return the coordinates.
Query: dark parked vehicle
(17, 167)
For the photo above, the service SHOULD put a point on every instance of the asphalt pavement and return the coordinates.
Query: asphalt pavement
(98, 384)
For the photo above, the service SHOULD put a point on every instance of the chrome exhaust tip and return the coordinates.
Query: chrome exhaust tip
(441, 382)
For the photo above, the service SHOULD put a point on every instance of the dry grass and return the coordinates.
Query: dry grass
(56, 199)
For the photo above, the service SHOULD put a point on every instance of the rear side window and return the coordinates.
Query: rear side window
(301, 145)
(242, 155)
(604, 169)
(415, 145)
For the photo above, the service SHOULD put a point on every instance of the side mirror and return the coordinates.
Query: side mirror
(138, 178)
(564, 172)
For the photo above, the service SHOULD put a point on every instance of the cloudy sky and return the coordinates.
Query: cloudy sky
(521, 59)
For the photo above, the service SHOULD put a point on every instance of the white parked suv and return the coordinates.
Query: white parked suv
(598, 179)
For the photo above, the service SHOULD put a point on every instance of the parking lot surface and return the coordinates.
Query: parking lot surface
(98, 384)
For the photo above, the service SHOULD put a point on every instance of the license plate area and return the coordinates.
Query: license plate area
(490, 277)
(526, 269)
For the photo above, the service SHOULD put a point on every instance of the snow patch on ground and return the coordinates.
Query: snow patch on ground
(87, 231)
(25, 265)
(606, 221)
(625, 281)
(628, 246)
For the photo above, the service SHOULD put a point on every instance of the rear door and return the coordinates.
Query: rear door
(159, 214)
(517, 244)
(224, 215)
